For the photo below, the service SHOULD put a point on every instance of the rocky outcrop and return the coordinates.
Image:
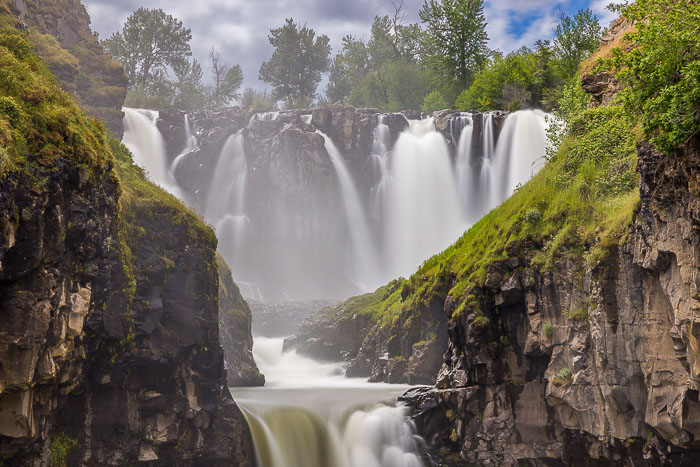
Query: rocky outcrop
(582, 365)
(407, 349)
(235, 332)
(109, 352)
(62, 36)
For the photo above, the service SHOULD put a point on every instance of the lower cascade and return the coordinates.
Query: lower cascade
(310, 415)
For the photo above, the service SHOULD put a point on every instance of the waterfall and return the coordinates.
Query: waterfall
(363, 252)
(297, 225)
(142, 137)
(311, 416)
(423, 211)
(226, 208)
(190, 145)
(487, 179)
(521, 145)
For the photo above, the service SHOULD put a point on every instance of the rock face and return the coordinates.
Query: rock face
(235, 332)
(406, 350)
(61, 33)
(585, 366)
(109, 349)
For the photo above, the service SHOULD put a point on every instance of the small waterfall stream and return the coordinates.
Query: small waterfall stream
(142, 137)
(422, 207)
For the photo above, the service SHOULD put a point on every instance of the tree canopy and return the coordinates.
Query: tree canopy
(154, 49)
(661, 69)
(296, 65)
(457, 38)
(150, 43)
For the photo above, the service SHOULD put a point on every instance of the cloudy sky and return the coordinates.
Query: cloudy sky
(239, 28)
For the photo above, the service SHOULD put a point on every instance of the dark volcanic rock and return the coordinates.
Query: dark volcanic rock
(235, 332)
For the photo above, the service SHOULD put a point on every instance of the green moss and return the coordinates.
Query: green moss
(61, 446)
(39, 123)
(450, 414)
(454, 437)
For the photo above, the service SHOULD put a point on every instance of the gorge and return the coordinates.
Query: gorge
(408, 190)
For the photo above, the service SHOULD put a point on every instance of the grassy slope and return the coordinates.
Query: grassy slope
(41, 125)
(578, 206)
(83, 69)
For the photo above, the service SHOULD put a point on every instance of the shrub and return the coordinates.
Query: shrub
(548, 329)
(454, 437)
(61, 446)
(579, 314)
(533, 216)
(661, 69)
(563, 377)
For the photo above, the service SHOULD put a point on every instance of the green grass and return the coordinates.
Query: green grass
(39, 123)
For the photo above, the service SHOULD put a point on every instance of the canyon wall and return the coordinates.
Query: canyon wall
(109, 291)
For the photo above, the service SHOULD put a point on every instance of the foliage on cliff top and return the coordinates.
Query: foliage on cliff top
(39, 123)
(661, 69)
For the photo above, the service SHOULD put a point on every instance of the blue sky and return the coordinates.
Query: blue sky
(239, 28)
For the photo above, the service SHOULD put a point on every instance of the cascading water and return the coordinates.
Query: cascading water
(422, 208)
(226, 208)
(190, 145)
(310, 415)
(365, 267)
(142, 137)
(400, 205)
(488, 178)
(519, 155)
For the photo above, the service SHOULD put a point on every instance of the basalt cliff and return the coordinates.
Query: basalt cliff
(110, 347)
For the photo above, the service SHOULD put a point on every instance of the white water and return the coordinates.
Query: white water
(401, 205)
(365, 267)
(519, 155)
(190, 145)
(142, 137)
(422, 209)
(310, 415)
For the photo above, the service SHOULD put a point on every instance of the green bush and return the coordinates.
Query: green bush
(61, 446)
(533, 216)
(434, 102)
(548, 329)
(660, 67)
(580, 314)
(563, 377)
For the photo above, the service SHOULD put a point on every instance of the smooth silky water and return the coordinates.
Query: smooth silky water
(310, 415)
